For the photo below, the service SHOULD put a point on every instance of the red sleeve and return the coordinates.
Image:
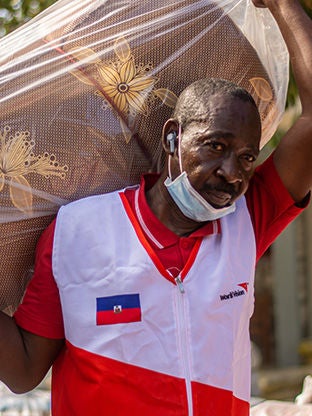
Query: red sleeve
(270, 205)
(40, 311)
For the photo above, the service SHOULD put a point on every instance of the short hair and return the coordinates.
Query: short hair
(193, 102)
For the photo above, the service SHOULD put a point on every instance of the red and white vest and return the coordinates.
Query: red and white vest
(139, 343)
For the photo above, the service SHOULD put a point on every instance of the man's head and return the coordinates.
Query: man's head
(220, 134)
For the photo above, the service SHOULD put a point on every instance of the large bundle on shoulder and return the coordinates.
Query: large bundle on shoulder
(85, 88)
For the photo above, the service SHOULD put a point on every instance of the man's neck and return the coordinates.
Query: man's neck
(165, 209)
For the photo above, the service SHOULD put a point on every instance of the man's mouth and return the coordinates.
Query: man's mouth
(219, 198)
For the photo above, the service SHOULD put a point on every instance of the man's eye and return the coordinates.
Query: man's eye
(218, 147)
(249, 158)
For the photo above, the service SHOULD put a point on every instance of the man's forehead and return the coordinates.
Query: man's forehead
(207, 108)
(240, 123)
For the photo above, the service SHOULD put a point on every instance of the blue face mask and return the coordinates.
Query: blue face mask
(189, 201)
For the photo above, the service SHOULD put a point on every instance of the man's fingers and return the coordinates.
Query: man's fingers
(258, 3)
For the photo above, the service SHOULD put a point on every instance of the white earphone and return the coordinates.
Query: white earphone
(171, 138)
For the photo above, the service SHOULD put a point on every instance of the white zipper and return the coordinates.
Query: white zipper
(183, 339)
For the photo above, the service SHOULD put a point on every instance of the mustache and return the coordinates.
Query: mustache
(224, 187)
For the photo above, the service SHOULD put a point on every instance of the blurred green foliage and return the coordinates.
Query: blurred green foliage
(14, 13)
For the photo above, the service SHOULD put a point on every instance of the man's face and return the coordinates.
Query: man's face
(218, 154)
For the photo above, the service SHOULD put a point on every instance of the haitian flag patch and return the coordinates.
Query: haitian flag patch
(118, 309)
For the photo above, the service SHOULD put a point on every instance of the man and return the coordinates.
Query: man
(141, 299)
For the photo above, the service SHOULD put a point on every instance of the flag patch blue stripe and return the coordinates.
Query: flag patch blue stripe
(126, 301)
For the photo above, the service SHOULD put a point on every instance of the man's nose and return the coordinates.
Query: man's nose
(230, 170)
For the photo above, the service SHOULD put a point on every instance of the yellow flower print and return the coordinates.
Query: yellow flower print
(18, 160)
(127, 87)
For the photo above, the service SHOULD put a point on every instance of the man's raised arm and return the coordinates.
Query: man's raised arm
(293, 155)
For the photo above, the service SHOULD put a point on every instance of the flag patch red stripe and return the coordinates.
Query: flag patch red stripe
(125, 316)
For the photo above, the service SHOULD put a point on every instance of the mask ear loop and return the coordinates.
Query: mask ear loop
(179, 150)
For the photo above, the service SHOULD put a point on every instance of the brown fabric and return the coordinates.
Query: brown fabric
(66, 132)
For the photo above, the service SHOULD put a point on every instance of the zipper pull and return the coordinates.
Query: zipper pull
(179, 284)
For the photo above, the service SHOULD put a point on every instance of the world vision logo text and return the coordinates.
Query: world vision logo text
(235, 293)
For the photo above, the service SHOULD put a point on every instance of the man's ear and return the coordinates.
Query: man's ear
(170, 135)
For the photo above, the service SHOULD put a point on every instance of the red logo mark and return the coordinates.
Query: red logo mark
(244, 286)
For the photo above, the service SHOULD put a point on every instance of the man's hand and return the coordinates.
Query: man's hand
(259, 3)
(272, 3)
